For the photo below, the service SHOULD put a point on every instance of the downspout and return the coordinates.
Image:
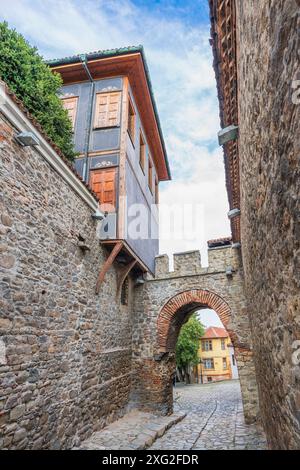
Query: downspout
(89, 119)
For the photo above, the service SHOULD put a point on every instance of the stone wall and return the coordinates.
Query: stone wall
(164, 303)
(65, 353)
(268, 63)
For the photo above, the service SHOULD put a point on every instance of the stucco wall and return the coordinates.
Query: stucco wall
(65, 352)
(138, 192)
(268, 63)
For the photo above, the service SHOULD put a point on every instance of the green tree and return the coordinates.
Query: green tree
(187, 346)
(26, 74)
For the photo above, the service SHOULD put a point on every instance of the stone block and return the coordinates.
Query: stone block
(188, 262)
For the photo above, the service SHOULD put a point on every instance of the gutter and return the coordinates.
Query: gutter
(114, 53)
(89, 119)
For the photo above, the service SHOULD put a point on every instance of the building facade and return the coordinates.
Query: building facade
(121, 151)
(73, 355)
(257, 72)
(214, 356)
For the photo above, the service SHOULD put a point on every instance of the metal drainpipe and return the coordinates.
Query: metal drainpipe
(89, 119)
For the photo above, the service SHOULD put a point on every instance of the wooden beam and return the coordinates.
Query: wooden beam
(128, 251)
(122, 276)
(117, 248)
(122, 162)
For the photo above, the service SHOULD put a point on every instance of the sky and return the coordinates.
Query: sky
(209, 317)
(175, 36)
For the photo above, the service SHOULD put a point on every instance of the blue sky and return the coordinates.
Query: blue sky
(175, 35)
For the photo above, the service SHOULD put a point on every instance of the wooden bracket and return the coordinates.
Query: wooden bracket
(122, 276)
(117, 248)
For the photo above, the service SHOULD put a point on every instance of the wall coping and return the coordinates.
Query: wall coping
(17, 117)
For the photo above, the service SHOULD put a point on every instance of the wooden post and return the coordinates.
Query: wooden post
(108, 264)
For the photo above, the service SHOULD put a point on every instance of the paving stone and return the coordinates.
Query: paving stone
(136, 430)
(213, 421)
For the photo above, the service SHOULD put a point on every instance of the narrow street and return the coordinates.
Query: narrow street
(214, 420)
(205, 417)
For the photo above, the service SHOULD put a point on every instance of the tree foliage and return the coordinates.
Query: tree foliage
(26, 74)
(188, 344)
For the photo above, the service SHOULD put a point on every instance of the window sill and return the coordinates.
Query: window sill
(105, 127)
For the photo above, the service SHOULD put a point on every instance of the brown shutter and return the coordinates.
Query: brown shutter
(131, 120)
(150, 174)
(70, 104)
(103, 184)
(156, 191)
(142, 152)
(107, 111)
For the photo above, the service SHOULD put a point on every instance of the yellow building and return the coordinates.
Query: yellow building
(215, 356)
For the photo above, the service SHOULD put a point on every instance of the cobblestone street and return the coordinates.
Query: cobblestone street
(205, 417)
(214, 420)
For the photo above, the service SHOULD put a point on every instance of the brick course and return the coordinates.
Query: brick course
(164, 303)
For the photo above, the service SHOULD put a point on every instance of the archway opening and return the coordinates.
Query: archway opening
(204, 352)
(173, 315)
(154, 361)
(178, 310)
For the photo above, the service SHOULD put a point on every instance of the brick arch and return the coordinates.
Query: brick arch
(175, 312)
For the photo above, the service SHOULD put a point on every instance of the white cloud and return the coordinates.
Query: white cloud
(180, 63)
(202, 182)
(209, 318)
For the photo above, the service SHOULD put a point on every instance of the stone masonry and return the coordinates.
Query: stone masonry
(71, 361)
(269, 115)
(165, 302)
(65, 368)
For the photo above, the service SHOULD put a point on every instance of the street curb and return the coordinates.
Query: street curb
(173, 419)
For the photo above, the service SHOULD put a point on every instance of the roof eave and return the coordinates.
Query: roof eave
(115, 53)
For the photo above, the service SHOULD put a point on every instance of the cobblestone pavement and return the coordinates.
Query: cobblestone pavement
(135, 431)
(214, 420)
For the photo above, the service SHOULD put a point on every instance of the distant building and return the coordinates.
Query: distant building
(233, 364)
(216, 356)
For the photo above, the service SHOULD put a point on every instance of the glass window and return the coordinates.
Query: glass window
(208, 363)
(207, 345)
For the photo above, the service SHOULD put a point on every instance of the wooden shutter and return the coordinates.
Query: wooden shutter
(150, 174)
(104, 185)
(70, 104)
(107, 111)
(142, 152)
(131, 120)
(156, 191)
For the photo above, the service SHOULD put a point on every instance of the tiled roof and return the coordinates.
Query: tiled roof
(95, 55)
(219, 242)
(215, 332)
